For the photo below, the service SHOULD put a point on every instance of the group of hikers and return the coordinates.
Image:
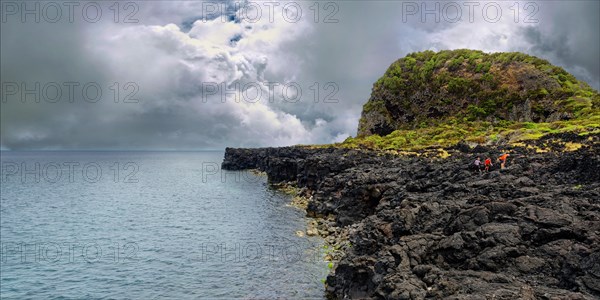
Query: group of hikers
(487, 164)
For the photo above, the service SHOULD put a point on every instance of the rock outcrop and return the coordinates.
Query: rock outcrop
(421, 226)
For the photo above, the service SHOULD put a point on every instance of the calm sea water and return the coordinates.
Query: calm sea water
(149, 225)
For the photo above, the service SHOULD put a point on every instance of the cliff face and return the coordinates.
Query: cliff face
(431, 227)
(428, 88)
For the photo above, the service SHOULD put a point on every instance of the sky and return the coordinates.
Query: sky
(197, 75)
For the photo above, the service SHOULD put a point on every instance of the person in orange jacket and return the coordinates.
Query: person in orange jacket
(502, 160)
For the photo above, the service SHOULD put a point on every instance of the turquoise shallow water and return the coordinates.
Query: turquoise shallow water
(148, 225)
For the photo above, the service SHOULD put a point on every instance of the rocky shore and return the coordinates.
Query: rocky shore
(424, 225)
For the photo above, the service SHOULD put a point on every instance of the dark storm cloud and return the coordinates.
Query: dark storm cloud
(569, 35)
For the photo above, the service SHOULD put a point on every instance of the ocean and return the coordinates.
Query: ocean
(149, 225)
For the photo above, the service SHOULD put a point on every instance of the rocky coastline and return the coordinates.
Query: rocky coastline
(423, 225)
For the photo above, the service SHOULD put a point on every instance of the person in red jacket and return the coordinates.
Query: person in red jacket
(488, 164)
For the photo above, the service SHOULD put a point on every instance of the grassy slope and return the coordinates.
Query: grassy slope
(451, 133)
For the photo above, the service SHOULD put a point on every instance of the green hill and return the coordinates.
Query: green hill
(429, 99)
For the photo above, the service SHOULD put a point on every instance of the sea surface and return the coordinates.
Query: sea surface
(149, 225)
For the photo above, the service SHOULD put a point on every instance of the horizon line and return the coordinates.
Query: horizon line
(109, 150)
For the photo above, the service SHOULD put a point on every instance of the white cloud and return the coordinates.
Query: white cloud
(171, 53)
(172, 66)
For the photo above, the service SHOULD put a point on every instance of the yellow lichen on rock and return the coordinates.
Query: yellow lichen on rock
(570, 146)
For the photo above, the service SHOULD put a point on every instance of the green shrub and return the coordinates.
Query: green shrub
(475, 112)
(458, 85)
(483, 67)
(455, 63)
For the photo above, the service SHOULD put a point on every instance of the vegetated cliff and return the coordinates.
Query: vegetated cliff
(428, 88)
(418, 222)
(422, 226)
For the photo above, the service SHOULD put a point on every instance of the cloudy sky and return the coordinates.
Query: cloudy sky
(205, 75)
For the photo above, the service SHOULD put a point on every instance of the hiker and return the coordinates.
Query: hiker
(477, 164)
(488, 164)
(502, 160)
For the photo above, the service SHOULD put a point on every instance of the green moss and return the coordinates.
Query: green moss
(537, 94)
(374, 105)
(450, 133)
